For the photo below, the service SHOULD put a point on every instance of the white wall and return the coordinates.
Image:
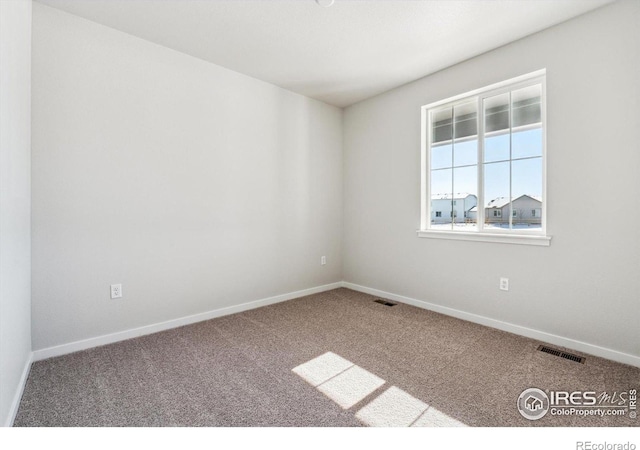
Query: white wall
(585, 286)
(15, 201)
(194, 186)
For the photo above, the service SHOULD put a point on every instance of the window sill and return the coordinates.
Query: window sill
(501, 238)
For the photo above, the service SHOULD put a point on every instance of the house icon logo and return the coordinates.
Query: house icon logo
(533, 404)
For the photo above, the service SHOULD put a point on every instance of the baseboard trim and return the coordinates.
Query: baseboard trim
(72, 347)
(85, 344)
(15, 404)
(580, 346)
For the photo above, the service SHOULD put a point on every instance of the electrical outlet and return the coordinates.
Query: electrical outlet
(116, 291)
(323, 260)
(504, 284)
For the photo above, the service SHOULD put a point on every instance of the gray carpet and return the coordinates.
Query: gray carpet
(237, 370)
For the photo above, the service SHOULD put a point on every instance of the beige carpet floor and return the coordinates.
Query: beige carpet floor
(330, 359)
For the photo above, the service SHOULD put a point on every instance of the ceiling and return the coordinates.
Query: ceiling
(342, 54)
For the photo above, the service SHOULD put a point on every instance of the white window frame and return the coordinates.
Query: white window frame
(527, 237)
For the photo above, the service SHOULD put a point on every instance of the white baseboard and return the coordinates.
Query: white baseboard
(580, 346)
(71, 347)
(15, 404)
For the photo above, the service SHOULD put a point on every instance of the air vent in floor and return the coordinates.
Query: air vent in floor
(384, 302)
(561, 354)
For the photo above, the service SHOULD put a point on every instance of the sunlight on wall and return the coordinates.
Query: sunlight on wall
(348, 384)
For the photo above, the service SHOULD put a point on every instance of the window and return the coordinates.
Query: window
(487, 150)
(438, 213)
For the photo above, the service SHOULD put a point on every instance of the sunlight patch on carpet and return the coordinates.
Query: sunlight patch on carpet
(322, 368)
(351, 386)
(348, 384)
(393, 408)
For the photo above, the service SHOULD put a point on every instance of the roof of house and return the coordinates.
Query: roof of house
(501, 202)
(456, 196)
(498, 202)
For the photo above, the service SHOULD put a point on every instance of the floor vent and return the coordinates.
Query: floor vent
(384, 302)
(561, 354)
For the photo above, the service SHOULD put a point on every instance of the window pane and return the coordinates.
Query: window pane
(466, 120)
(465, 188)
(496, 148)
(441, 199)
(496, 192)
(527, 177)
(525, 106)
(511, 138)
(465, 181)
(442, 125)
(496, 113)
(465, 153)
(527, 143)
(441, 156)
(526, 187)
(441, 182)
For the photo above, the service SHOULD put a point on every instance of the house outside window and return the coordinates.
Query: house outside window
(455, 207)
(490, 145)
